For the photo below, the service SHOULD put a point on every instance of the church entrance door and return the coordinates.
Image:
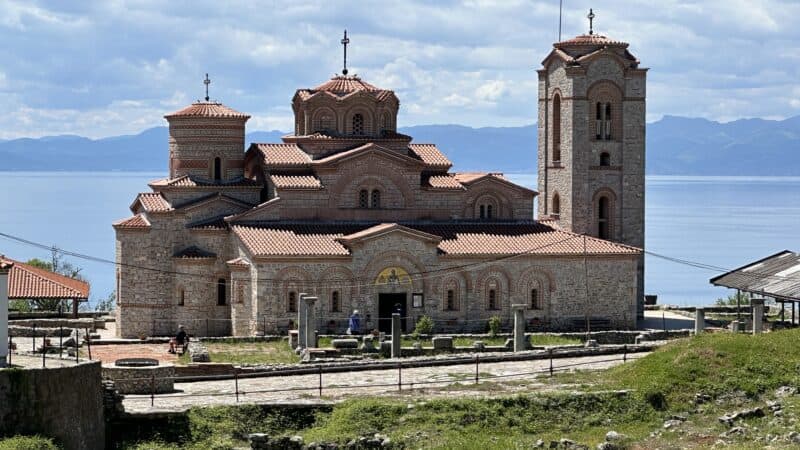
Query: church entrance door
(388, 304)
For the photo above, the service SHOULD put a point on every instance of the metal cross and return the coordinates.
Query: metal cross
(591, 18)
(207, 82)
(344, 42)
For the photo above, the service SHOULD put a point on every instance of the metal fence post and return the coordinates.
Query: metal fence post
(10, 348)
(60, 341)
(77, 345)
(477, 363)
(34, 338)
(320, 380)
(625, 353)
(152, 389)
(400, 377)
(89, 344)
(44, 352)
(550, 351)
(236, 381)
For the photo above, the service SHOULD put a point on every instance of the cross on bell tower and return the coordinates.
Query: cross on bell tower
(207, 81)
(345, 40)
(590, 16)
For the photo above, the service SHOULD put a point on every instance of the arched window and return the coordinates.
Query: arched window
(602, 121)
(291, 304)
(358, 124)
(181, 297)
(217, 169)
(488, 211)
(603, 229)
(556, 209)
(535, 304)
(607, 129)
(556, 127)
(492, 300)
(451, 300)
(482, 213)
(598, 121)
(221, 291)
(375, 199)
(335, 304)
(363, 198)
(605, 159)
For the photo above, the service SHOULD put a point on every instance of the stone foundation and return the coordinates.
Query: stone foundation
(141, 380)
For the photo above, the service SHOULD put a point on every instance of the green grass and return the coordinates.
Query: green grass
(27, 443)
(273, 352)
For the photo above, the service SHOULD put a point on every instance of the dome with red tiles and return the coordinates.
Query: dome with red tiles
(590, 40)
(343, 85)
(208, 109)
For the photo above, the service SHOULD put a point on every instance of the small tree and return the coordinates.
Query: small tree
(743, 298)
(424, 326)
(494, 325)
(108, 304)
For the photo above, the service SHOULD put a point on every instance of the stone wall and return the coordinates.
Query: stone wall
(141, 380)
(65, 403)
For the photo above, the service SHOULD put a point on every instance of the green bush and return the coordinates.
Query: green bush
(494, 325)
(424, 326)
(27, 443)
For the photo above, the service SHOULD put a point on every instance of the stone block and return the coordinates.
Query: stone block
(479, 346)
(344, 343)
(294, 340)
(386, 348)
(442, 343)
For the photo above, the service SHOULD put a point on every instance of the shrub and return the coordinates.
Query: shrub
(424, 326)
(494, 325)
(27, 443)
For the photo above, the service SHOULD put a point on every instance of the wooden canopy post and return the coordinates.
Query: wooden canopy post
(74, 308)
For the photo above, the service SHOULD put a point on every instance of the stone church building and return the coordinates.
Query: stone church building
(349, 210)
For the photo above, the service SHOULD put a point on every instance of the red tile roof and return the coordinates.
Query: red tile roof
(152, 202)
(460, 239)
(190, 181)
(283, 155)
(342, 86)
(430, 155)
(29, 282)
(384, 228)
(590, 40)
(238, 263)
(137, 222)
(446, 181)
(208, 109)
(295, 182)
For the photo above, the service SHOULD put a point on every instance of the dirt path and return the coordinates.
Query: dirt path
(431, 381)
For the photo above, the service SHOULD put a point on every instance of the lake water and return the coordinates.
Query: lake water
(721, 221)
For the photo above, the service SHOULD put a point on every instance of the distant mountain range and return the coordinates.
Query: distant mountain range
(675, 146)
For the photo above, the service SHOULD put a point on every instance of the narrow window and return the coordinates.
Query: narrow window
(598, 122)
(451, 300)
(556, 205)
(181, 297)
(335, 307)
(602, 218)
(535, 299)
(221, 291)
(607, 129)
(605, 159)
(363, 198)
(482, 212)
(557, 128)
(358, 125)
(376, 198)
(292, 303)
(217, 169)
(492, 299)
(488, 211)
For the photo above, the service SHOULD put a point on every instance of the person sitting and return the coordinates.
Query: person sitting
(179, 342)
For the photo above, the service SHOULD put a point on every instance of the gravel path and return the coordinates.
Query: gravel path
(430, 381)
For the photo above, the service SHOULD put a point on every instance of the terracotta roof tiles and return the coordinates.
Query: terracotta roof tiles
(295, 182)
(152, 202)
(446, 181)
(137, 222)
(208, 109)
(342, 86)
(283, 155)
(297, 240)
(26, 282)
(430, 155)
(589, 40)
(187, 181)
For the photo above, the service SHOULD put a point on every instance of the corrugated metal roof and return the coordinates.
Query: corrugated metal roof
(774, 276)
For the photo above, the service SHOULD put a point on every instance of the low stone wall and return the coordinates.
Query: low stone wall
(141, 380)
(17, 331)
(82, 324)
(65, 403)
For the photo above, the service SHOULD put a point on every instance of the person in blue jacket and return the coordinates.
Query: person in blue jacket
(354, 324)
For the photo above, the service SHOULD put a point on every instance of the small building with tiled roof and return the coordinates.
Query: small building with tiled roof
(348, 209)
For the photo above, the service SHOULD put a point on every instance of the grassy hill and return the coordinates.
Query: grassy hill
(735, 372)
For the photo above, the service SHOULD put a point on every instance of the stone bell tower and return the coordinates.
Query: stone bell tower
(591, 151)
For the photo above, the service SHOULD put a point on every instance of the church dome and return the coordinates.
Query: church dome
(590, 40)
(208, 109)
(343, 85)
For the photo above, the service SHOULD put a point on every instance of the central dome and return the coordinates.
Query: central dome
(343, 85)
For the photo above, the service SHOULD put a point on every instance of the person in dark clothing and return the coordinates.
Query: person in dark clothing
(179, 341)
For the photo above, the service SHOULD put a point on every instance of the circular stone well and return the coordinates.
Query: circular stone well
(140, 376)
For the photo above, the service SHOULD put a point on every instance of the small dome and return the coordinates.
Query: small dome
(590, 40)
(343, 85)
(208, 109)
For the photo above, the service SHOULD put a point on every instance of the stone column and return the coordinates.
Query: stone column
(519, 327)
(396, 335)
(699, 320)
(311, 332)
(4, 269)
(301, 322)
(735, 326)
(758, 315)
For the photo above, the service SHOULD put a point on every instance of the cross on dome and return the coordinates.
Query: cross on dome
(345, 40)
(207, 81)
(590, 16)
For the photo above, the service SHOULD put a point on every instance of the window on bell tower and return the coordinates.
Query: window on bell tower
(358, 124)
(602, 121)
(556, 128)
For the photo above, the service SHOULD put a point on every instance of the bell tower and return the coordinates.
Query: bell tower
(591, 150)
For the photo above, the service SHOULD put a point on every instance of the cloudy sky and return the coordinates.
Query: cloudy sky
(115, 67)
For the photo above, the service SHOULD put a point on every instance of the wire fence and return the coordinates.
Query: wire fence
(48, 347)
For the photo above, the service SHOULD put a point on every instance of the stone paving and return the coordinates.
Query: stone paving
(337, 386)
